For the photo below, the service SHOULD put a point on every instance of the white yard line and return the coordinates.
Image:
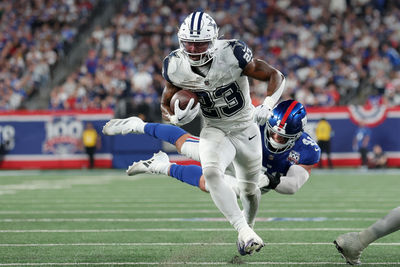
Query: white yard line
(172, 230)
(176, 244)
(219, 219)
(181, 211)
(60, 183)
(185, 263)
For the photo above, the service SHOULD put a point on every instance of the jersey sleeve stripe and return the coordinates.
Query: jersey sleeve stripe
(165, 70)
(287, 113)
(193, 139)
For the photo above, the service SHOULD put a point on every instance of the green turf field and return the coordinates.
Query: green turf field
(103, 217)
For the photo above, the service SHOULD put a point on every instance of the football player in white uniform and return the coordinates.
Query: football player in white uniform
(289, 154)
(352, 244)
(216, 70)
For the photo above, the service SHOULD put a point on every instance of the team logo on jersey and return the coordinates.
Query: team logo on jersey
(294, 157)
(207, 82)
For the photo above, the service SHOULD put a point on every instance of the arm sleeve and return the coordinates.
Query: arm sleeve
(293, 181)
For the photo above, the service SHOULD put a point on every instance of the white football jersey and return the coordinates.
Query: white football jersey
(223, 93)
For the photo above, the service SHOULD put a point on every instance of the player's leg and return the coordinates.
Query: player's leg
(350, 245)
(160, 164)
(248, 168)
(216, 153)
(185, 143)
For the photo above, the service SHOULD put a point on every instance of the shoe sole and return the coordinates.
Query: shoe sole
(340, 250)
(242, 250)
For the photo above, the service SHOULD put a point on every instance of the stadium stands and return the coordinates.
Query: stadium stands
(333, 52)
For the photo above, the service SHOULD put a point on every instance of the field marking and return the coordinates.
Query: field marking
(186, 263)
(220, 219)
(175, 244)
(261, 211)
(171, 230)
(60, 183)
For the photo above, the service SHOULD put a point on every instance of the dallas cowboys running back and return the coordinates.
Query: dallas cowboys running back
(288, 153)
(217, 70)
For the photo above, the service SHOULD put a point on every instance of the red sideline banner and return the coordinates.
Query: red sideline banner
(50, 139)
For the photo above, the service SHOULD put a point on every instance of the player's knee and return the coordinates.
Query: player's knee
(213, 177)
(248, 189)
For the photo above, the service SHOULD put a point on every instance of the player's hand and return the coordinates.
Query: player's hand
(186, 115)
(261, 113)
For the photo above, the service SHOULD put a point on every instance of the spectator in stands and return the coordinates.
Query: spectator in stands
(327, 62)
(323, 133)
(91, 142)
(379, 159)
(361, 142)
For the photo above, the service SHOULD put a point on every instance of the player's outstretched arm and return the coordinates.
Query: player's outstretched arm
(261, 70)
(295, 178)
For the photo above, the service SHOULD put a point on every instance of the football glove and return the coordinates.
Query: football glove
(182, 117)
(274, 180)
(261, 114)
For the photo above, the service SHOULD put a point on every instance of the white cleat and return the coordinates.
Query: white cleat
(124, 126)
(350, 246)
(158, 164)
(248, 242)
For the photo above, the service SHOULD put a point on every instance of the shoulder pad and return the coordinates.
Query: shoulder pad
(242, 52)
(166, 63)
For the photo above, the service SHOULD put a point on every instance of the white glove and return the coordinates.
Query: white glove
(185, 116)
(261, 113)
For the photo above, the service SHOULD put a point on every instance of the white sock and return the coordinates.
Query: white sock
(161, 168)
(191, 150)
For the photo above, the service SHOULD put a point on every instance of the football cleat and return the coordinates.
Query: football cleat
(350, 247)
(158, 164)
(248, 242)
(124, 126)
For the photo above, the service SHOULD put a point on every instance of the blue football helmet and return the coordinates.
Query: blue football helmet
(287, 120)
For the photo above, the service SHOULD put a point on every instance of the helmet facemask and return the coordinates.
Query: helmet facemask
(284, 126)
(197, 36)
(284, 142)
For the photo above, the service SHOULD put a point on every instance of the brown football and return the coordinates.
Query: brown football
(184, 97)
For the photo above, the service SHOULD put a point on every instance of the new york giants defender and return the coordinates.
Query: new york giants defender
(217, 71)
(288, 153)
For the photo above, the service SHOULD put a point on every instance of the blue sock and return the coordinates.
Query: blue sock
(165, 132)
(189, 174)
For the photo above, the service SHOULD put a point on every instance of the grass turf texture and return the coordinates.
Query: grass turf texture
(103, 217)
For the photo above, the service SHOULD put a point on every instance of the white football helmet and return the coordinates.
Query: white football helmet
(197, 36)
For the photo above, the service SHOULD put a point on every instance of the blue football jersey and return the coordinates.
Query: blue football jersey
(305, 151)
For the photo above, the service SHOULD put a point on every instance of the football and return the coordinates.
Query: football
(184, 97)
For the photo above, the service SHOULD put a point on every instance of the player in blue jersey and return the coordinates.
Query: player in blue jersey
(289, 154)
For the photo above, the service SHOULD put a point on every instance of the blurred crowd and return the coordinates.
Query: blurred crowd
(333, 52)
(33, 35)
